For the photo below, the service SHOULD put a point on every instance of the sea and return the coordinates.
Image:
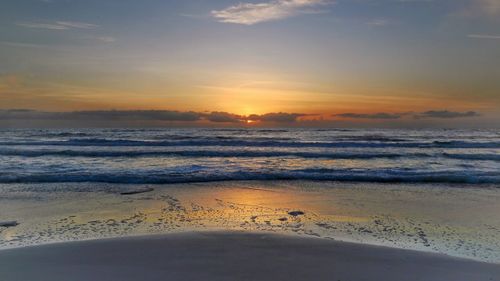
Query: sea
(167, 156)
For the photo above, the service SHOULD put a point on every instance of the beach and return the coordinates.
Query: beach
(233, 256)
(295, 204)
(250, 140)
(457, 221)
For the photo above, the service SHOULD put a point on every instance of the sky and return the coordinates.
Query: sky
(367, 63)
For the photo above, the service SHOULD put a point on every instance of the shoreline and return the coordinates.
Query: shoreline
(421, 218)
(233, 255)
(290, 235)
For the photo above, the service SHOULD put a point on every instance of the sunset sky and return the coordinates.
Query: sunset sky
(392, 62)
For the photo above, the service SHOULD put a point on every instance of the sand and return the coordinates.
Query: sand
(232, 256)
(458, 221)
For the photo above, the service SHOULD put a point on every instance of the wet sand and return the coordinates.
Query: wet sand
(461, 222)
(232, 256)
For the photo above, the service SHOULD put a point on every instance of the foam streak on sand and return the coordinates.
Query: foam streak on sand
(419, 217)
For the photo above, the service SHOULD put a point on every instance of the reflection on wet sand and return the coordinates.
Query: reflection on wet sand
(415, 217)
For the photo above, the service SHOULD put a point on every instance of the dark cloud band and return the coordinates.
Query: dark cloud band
(147, 115)
(437, 114)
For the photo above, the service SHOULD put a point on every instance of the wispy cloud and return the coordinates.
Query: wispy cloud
(252, 13)
(106, 39)
(42, 25)
(58, 25)
(72, 24)
(483, 36)
(378, 22)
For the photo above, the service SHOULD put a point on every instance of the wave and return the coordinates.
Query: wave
(253, 143)
(58, 134)
(316, 174)
(467, 156)
(242, 154)
(374, 138)
(205, 153)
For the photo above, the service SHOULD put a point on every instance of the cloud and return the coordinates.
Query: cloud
(81, 25)
(439, 114)
(280, 117)
(378, 22)
(252, 13)
(380, 115)
(58, 25)
(445, 114)
(99, 118)
(157, 115)
(116, 115)
(106, 39)
(146, 115)
(223, 117)
(483, 36)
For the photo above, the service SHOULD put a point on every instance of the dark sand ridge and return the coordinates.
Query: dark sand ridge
(232, 256)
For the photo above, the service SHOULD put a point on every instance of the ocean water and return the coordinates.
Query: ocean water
(163, 156)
